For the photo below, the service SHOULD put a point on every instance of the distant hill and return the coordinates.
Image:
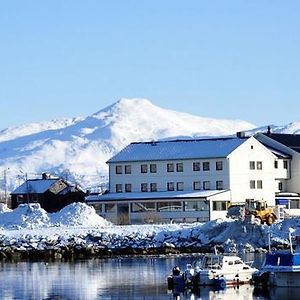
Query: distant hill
(78, 148)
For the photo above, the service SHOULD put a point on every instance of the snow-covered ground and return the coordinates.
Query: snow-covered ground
(29, 227)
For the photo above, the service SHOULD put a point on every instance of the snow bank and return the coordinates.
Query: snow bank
(78, 214)
(33, 216)
(4, 208)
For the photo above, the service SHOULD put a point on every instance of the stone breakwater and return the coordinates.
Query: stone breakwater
(73, 243)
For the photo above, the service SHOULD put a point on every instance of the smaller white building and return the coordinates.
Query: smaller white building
(189, 180)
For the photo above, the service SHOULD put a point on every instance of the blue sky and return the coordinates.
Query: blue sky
(220, 59)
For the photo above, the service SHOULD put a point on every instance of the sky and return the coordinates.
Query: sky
(218, 59)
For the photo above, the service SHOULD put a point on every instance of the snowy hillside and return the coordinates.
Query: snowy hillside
(78, 148)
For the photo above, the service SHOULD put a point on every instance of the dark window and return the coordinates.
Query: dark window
(144, 187)
(118, 188)
(219, 185)
(144, 168)
(170, 167)
(170, 186)
(252, 184)
(153, 187)
(128, 187)
(219, 165)
(259, 184)
(280, 186)
(285, 164)
(196, 166)
(153, 168)
(179, 167)
(206, 185)
(276, 164)
(128, 169)
(252, 165)
(197, 185)
(118, 169)
(179, 186)
(259, 165)
(219, 205)
(205, 166)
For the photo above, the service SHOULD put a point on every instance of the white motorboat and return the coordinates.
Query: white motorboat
(216, 270)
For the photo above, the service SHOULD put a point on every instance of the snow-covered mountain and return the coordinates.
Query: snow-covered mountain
(78, 148)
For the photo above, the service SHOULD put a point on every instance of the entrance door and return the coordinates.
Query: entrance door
(123, 214)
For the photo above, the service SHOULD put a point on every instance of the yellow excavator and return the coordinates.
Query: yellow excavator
(259, 210)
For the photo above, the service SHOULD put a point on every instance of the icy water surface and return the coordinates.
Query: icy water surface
(127, 278)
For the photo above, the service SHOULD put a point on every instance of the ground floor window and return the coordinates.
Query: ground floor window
(200, 205)
(219, 205)
(142, 207)
(169, 206)
(110, 208)
(294, 203)
(98, 208)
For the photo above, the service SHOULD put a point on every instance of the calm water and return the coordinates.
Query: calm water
(128, 278)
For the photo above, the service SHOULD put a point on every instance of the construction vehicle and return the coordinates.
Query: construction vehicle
(253, 210)
(259, 210)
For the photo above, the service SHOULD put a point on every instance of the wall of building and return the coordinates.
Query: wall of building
(241, 174)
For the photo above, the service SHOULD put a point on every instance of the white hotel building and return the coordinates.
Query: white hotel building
(195, 180)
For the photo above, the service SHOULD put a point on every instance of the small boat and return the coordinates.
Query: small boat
(280, 268)
(215, 270)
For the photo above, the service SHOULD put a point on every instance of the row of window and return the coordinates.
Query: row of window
(170, 167)
(171, 186)
(258, 165)
(146, 207)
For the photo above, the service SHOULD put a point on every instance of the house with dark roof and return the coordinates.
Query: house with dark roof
(189, 180)
(52, 193)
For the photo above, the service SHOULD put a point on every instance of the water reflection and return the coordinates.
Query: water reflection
(130, 278)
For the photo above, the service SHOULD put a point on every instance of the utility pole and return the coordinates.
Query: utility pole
(27, 188)
(5, 186)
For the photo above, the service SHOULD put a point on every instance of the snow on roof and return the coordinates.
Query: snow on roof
(178, 149)
(153, 195)
(37, 186)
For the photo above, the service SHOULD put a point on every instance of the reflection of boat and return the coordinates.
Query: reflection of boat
(279, 269)
(213, 270)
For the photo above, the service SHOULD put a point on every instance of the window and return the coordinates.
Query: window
(285, 164)
(206, 185)
(294, 204)
(252, 165)
(219, 205)
(259, 184)
(153, 187)
(276, 164)
(128, 187)
(196, 166)
(118, 188)
(252, 184)
(127, 169)
(280, 186)
(219, 165)
(110, 208)
(197, 185)
(179, 167)
(170, 186)
(205, 166)
(219, 185)
(144, 168)
(142, 207)
(153, 168)
(200, 205)
(170, 167)
(179, 186)
(259, 165)
(144, 187)
(118, 169)
(169, 206)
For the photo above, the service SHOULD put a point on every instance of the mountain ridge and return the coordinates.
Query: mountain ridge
(78, 148)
